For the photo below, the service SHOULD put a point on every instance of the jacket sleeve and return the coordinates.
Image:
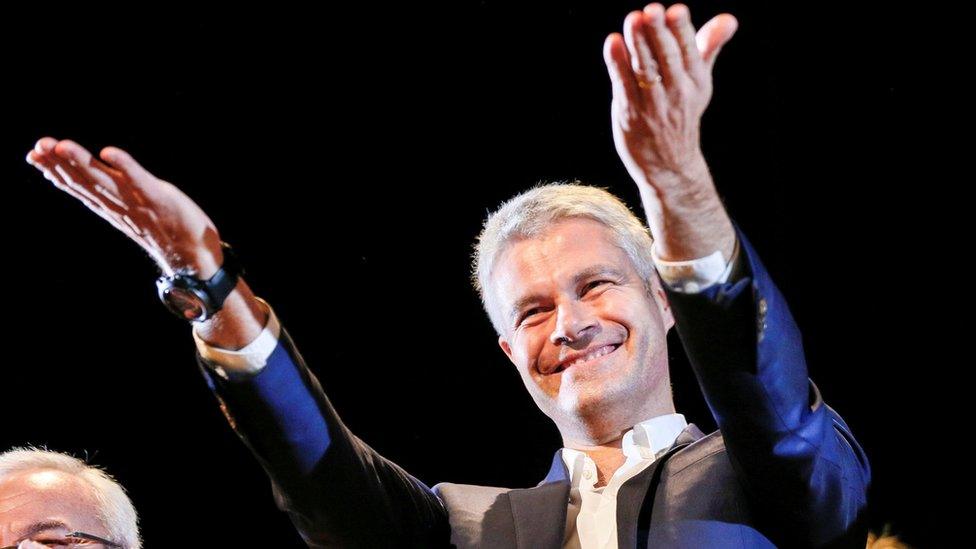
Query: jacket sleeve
(338, 491)
(795, 456)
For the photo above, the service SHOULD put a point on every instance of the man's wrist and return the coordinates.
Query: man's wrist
(245, 361)
(693, 276)
(691, 231)
(673, 182)
(237, 323)
(202, 262)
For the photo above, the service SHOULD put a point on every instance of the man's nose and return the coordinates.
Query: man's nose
(574, 321)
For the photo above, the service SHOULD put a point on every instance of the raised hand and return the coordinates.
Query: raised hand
(661, 74)
(153, 213)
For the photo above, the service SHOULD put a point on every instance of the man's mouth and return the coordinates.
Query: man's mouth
(585, 358)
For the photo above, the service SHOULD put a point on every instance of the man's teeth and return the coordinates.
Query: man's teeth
(590, 356)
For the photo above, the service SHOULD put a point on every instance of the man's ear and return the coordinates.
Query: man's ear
(503, 343)
(661, 299)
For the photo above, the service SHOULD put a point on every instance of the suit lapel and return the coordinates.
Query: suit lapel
(633, 507)
(540, 512)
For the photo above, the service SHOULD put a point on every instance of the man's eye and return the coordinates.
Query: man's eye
(529, 313)
(594, 284)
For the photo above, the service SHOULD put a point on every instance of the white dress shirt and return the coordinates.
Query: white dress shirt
(591, 519)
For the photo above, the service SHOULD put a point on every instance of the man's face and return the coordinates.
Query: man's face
(587, 336)
(46, 505)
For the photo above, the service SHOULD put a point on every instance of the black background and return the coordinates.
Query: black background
(350, 154)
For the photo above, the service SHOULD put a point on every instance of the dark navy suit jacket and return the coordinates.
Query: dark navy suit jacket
(783, 469)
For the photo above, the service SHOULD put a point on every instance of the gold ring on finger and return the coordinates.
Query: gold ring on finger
(645, 84)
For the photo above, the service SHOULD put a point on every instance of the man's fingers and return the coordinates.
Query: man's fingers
(70, 168)
(626, 92)
(78, 179)
(33, 159)
(86, 161)
(72, 178)
(45, 145)
(122, 161)
(43, 158)
(679, 21)
(69, 150)
(642, 63)
(618, 62)
(136, 183)
(713, 35)
(56, 174)
(641, 56)
(56, 179)
(665, 46)
(60, 166)
(90, 172)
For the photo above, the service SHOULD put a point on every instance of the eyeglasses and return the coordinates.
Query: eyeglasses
(69, 541)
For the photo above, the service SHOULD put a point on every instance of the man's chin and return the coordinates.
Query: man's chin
(588, 417)
(608, 399)
(582, 404)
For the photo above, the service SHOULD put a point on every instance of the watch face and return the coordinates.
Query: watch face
(184, 303)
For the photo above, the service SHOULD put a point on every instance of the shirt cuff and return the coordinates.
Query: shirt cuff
(693, 276)
(247, 361)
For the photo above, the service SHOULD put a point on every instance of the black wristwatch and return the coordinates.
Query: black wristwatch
(196, 300)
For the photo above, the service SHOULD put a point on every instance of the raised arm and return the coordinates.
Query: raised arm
(337, 490)
(661, 76)
(797, 458)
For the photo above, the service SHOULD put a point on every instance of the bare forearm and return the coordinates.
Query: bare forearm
(660, 69)
(686, 216)
(238, 322)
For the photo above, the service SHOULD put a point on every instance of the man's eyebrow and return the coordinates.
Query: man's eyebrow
(41, 526)
(600, 269)
(597, 270)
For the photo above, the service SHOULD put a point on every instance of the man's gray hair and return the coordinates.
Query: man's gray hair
(115, 510)
(531, 213)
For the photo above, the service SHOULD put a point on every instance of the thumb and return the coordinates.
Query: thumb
(713, 35)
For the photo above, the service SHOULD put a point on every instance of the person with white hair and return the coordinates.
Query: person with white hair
(51, 499)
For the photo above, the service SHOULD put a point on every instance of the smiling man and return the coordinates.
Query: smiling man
(569, 278)
(578, 320)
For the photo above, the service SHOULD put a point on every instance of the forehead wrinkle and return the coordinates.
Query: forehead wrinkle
(10, 503)
(41, 526)
(59, 491)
